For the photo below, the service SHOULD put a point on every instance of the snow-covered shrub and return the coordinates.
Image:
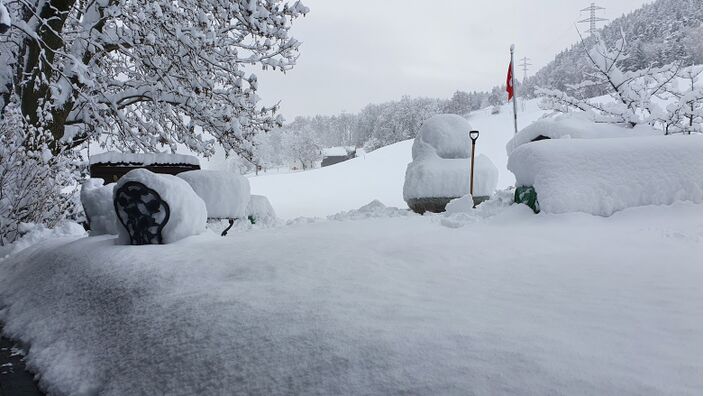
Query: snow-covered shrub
(187, 211)
(98, 206)
(35, 185)
(635, 97)
(225, 193)
(260, 211)
(440, 166)
(602, 176)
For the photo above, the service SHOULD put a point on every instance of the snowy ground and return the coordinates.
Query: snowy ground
(514, 303)
(380, 174)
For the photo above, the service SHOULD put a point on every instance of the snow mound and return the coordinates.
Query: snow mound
(575, 126)
(32, 234)
(259, 208)
(441, 166)
(602, 176)
(143, 159)
(225, 194)
(464, 203)
(97, 202)
(188, 214)
(448, 178)
(459, 212)
(374, 209)
(443, 135)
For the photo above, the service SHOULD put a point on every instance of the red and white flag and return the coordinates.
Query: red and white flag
(509, 80)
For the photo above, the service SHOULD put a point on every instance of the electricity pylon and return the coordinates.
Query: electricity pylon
(593, 19)
(524, 65)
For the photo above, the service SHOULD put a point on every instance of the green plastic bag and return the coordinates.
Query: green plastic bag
(527, 195)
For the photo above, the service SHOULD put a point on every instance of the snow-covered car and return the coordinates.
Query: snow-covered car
(440, 168)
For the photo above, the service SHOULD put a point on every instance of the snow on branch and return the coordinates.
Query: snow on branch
(635, 97)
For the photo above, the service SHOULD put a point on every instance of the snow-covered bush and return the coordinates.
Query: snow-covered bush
(635, 97)
(97, 201)
(35, 186)
(187, 211)
(225, 194)
(602, 176)
(260, 211)
(440, 166)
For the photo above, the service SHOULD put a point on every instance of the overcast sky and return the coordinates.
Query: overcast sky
(371, 51)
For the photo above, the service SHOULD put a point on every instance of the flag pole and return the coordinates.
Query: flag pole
(513, 87)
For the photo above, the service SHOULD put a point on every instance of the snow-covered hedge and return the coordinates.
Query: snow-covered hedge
(440, 166)
(602, 176)
(188, 214)
(225, 194)
(97, 201)
(575, 126)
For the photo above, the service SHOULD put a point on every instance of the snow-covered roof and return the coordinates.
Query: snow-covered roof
(575, 126)
(143, 159)
(340, 151)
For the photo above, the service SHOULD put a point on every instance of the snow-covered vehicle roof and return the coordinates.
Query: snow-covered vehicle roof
(574, 126)
(143, 159)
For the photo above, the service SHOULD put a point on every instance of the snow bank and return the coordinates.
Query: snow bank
(576, 125)
(188, 213)
(601, 176)
(32, 234)
(260, 210)
(440, 166)
(459, 212)
(143, 159)
(225, 194)
(97, 202)
(374, 209)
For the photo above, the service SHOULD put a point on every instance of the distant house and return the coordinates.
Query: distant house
(334, 155)
(112, 165)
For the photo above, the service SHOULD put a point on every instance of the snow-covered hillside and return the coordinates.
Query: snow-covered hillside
(380, 174)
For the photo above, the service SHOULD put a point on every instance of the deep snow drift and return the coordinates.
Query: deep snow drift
(516, 303)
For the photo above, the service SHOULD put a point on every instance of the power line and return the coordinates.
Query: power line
(593, 19)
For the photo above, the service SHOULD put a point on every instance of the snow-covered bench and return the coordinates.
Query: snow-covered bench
(440, 169)
(225, 194)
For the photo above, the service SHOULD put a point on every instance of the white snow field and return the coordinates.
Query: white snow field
(381, 173)
(508, 303)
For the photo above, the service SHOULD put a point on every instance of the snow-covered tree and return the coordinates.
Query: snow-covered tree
(32, 180)
(460, 103)
(300, 145)
(684, 113)
(632, 93)
(139, 75)
(134, 75)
